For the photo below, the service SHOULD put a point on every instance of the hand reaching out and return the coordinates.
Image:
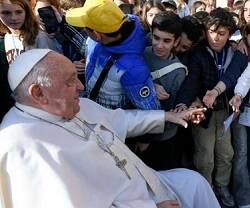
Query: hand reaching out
(210, 98)
(235, 102)
(161, 92)
(196, 115)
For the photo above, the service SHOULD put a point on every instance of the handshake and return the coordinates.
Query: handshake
(183, 115)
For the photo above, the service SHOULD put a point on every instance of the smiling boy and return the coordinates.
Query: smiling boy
(167, 73)
(166, 70)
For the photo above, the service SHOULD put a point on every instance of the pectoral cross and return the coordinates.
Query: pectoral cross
(121, 164)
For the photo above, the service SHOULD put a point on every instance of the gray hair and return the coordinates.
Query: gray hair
(40, 75)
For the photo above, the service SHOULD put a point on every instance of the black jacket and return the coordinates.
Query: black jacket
(203, 73)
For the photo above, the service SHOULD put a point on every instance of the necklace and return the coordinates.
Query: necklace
(100, 142)
(119, 163)
(56, 124)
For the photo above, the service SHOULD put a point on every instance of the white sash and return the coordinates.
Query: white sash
(167, 69)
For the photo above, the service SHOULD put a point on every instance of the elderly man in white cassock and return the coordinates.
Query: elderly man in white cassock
(59, 151)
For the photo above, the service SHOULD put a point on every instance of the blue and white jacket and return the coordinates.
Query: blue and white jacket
(128, 81)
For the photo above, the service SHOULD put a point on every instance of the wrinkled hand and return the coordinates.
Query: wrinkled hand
(161, 92)
(168, 204)
(181, 118)
(209, 98)
(235, 102)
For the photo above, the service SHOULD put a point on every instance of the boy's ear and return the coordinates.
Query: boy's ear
(177, 41)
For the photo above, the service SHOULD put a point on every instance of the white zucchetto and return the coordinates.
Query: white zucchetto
(23, 64)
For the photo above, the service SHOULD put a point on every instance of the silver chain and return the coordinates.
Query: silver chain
(100, 142)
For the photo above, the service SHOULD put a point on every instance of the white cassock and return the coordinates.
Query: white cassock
(45, 164)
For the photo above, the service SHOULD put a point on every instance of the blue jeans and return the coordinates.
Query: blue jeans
(241, 183)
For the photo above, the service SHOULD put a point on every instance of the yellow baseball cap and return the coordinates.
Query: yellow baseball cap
(100, 15)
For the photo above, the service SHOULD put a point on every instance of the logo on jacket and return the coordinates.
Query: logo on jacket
(144, 91)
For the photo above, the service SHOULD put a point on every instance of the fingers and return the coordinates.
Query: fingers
(161, 92)
(235, 102)
(209, 99)
(197, 110)
(80, 66)
(182, 123)
(163, 95)
(197, 115)
(177, 118)
(180, 108)
(197, 118)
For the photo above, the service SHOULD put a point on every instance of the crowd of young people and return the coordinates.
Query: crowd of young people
(170, 55)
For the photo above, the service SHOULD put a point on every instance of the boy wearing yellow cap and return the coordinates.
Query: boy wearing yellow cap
(121, 39)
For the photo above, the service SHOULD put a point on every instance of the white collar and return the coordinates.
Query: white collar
(38, 112)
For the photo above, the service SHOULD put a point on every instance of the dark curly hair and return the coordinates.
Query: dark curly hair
(221, 17)
(193, 28)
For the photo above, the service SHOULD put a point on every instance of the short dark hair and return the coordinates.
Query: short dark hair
(220, 17)
(168, 21)
(201, 16)
(193, 28)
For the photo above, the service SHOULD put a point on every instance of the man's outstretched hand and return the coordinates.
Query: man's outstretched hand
(195, 115)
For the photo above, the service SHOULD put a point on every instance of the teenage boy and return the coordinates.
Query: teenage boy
(166, 70)
(167, 73)
(210, 64)
(192, 33)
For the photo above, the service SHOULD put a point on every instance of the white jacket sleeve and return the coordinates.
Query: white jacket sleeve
(243, 84)
(125, 123)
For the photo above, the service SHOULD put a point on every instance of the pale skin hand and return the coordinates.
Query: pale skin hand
(161, 92)
(181, 118)
(168, 204)
(235, 102)
(197, 118)
(210, 98)
(211, 95)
